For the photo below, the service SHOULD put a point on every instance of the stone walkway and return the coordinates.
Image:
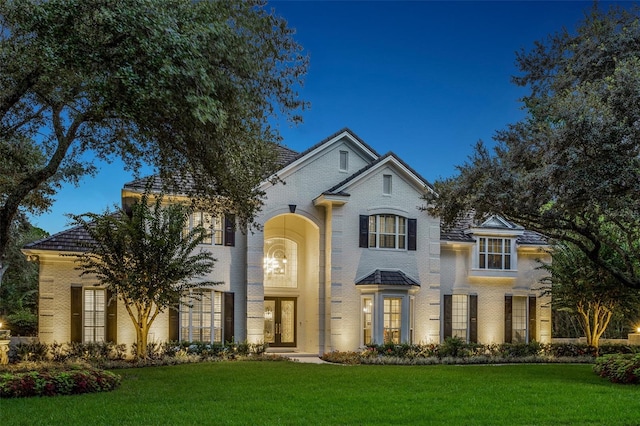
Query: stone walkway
(301, 357)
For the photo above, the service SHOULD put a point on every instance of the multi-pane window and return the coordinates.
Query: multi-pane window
(201, 317)
(387, 231)
(344, 160)
(94, 315)
(459, 316)
(213, 226)
(519, 319)
(494, 253)
(392, 319)
(386, 184)
(367, 320)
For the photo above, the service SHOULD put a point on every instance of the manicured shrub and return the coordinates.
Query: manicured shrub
(31, 351)
(619, 368)
(56, 381)
(457, 351)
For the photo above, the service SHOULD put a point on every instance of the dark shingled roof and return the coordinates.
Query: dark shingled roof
(456, 232)
(382, 277)
(285, 156)
(74, 239)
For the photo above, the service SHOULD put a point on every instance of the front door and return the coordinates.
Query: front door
(280, 321)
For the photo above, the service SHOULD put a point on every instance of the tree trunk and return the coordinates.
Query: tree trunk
(595, 319)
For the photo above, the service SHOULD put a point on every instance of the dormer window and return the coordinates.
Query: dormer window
(494, 253)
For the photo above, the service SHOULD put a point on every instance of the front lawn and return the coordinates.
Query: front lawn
(252, 393)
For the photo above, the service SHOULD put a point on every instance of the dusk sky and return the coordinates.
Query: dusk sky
(425, 80)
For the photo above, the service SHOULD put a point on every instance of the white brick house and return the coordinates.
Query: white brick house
(345, 258)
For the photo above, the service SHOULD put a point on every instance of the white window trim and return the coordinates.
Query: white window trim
(344, 154)
(215, 322)
(215, 234)
(486, 272)
(387, 184)
(407, 321)
(397, 234)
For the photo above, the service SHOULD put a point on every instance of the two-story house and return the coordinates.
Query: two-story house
(345, 257)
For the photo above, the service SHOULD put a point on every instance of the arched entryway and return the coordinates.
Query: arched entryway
(291, 282)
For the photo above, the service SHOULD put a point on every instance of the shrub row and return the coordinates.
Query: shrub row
(455, 350)
(110, 355)
(56, 381)
(619, 368)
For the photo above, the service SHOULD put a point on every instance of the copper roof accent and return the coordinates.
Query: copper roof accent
(384, 277)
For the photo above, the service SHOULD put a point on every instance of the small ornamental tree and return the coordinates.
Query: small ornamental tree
(589, 291)
(146, 258)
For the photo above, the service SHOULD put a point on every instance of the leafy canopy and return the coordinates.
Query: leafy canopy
(570, 168)
(187, 86)
(145, 257)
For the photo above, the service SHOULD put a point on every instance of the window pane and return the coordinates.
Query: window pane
(344, 160)
(459, 315)
(494, 253)
(218, 230)
(386, 184)
(392, 319)
(94, 315)
(367, 320)
(519, 319)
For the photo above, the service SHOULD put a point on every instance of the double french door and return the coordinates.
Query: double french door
(280, 321)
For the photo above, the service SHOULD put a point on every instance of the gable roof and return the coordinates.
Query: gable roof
(386, 277)
(460, 231)
(345, 131)
(388, 157)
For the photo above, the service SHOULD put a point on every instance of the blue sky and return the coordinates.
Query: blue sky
(423, 79)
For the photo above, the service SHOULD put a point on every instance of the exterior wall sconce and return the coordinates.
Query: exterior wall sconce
(292, 208)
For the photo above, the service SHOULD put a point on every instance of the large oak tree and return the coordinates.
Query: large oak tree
(571, 168)
(187, 86)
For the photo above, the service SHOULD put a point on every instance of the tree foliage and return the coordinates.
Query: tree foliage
(187, 86)
(585, 289)
(570, 168)
(146, 258)
(19, 286)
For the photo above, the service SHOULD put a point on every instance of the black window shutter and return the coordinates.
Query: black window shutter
(412, 231)
(174, 324)
(112, 318)
(76, 314)
(473, 318)
(229, 332)
(508, 332)
(448, 316)
(364, 231)
(229, 230)
(532, 318)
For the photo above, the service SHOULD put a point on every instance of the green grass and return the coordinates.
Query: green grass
(256, 393)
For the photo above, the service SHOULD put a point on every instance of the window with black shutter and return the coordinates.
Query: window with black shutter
(76, 314)
(448, 316)
(508, 331)
(473, 318)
